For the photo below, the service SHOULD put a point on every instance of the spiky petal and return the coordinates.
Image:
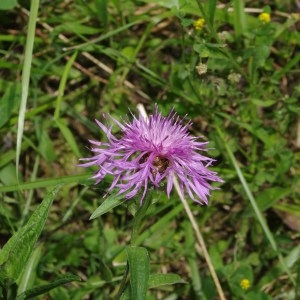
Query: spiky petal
(149, 151)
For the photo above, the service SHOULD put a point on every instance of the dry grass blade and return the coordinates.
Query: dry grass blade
(200, 241)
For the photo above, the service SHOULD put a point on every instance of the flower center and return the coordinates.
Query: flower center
(159, 163)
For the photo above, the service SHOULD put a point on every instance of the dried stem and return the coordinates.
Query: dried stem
(199, 236)
(200, 240)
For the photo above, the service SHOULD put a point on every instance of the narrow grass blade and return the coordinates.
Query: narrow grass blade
(26, 76)
(82, 178)
(192, 255)
(211, 9)
(240, 24)
(105, 36)
(29, 294)
(62, 85)
(290, 64)
(257, 212)
(68, 135)
(101, 7)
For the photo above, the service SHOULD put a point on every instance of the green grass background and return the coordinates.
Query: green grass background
(72, 61)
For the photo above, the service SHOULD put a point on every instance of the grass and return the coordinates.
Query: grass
(95, 57)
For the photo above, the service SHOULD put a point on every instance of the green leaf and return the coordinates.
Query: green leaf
(243, 271)
(110, 202)
(210, 50)
(7, 4)
(8, 175)
(47, 287)
(157, 280)
(202, 50)
(260, 54)
(16, 252)
(26, 280)
(270, 196)
(139, 267)
(257, 295)
(263, 103)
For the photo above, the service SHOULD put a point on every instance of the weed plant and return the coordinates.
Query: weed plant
(231, 66)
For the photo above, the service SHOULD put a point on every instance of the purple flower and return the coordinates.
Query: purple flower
(149, 151)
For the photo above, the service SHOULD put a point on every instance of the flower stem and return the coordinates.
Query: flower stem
(138, 218)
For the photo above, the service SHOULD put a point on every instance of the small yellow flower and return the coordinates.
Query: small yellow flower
(264, 17)
(199, 24)
(245, 284)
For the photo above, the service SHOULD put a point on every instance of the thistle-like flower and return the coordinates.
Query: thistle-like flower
(149, 151)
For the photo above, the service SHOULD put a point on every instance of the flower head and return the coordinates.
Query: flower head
(199, 24)
(264, 17)
(245, 284)
(201, 68)
(149, 151)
